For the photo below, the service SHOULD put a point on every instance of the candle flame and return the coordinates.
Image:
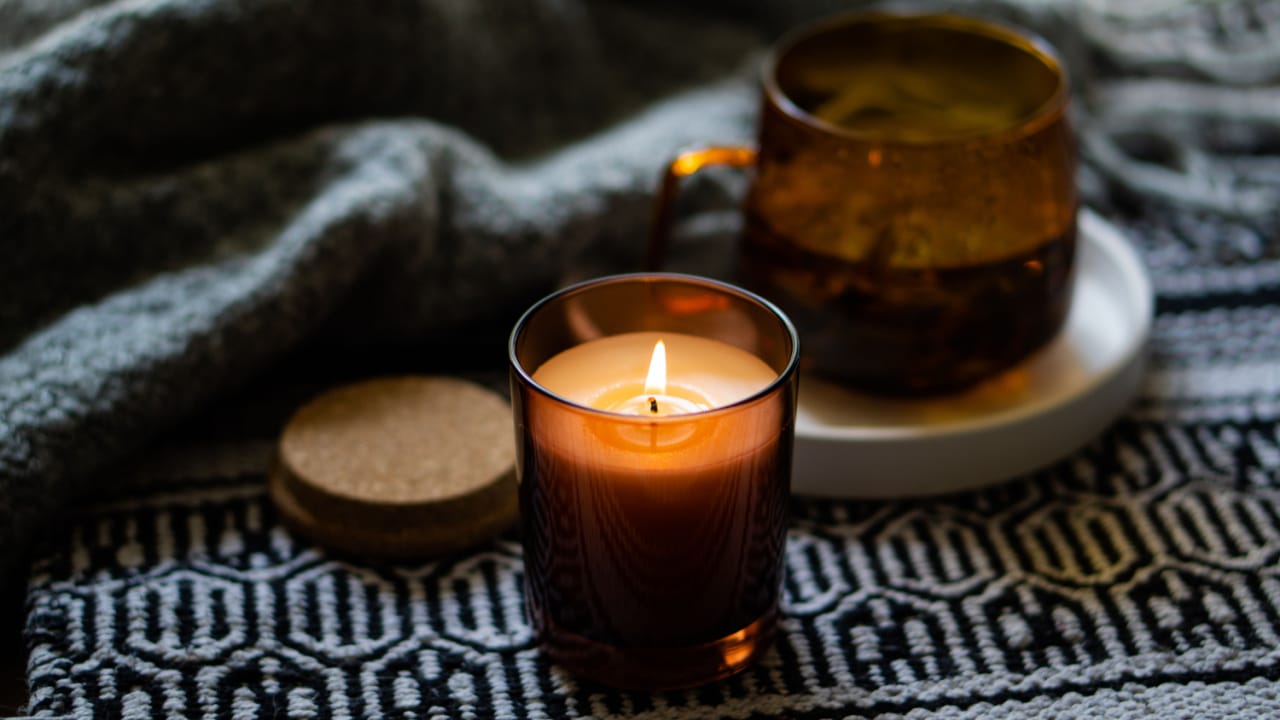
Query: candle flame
(656, 382)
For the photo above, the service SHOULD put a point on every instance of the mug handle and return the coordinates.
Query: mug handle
(685, 164)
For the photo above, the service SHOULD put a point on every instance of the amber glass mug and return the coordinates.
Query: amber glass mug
(913, 203)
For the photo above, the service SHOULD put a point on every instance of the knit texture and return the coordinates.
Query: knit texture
(193, 190)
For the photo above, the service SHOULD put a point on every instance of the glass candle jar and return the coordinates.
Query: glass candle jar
(653, 516)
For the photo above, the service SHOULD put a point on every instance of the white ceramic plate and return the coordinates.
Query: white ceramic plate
(854, 445)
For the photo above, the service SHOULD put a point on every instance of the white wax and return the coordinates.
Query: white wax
(609, 373)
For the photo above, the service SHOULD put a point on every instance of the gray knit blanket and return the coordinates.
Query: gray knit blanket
(197, 192)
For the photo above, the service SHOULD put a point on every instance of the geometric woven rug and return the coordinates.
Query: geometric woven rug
(1140, 577)
(1071, 591)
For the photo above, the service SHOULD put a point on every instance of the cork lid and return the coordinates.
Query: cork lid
(402, 467)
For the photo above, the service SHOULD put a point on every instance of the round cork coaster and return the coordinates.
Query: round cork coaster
(398, 468)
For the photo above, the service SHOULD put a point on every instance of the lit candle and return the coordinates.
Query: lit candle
(654, 476)
(621, 373)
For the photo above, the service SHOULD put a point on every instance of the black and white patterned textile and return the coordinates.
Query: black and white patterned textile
(1139, 578)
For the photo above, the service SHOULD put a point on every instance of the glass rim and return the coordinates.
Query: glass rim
(1008, 34)
(783, 376)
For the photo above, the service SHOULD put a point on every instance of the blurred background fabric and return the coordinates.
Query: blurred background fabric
(196, 194)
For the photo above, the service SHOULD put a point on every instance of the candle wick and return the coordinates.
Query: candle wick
(653, 405)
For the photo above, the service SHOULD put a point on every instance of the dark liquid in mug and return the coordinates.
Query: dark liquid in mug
(919, 84)
(909, 331)
(918, 231)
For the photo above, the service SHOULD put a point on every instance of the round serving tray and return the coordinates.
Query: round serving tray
(850, 444)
